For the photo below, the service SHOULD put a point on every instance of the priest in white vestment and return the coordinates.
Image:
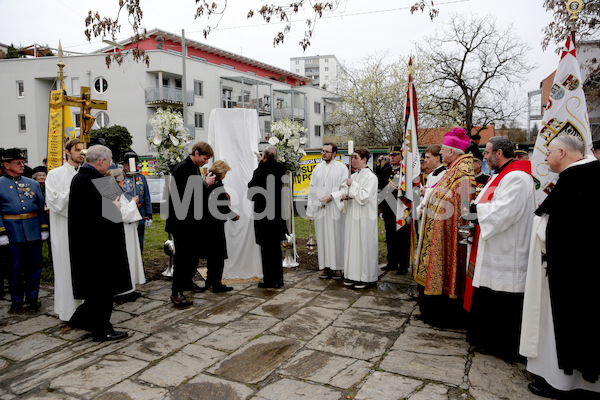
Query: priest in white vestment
(361, 257)
(327, 179)
(58, 184)
(504, 211)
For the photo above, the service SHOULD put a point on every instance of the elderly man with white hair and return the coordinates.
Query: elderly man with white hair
(559, 335)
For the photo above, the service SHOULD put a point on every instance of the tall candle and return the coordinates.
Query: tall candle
(132, 165)
(350, 148)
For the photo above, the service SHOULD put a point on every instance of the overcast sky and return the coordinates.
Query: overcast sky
(356, 30)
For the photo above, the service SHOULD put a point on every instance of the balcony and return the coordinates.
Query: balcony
(168, 96)
(287, 112)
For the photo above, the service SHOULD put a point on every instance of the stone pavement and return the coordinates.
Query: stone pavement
(312, 339)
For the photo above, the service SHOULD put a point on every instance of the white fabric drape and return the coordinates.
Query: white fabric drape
(233, 134)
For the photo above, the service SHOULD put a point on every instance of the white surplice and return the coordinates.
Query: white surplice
(361, 257)
(58, 184)
(131, 216)
(538, 342)
(327, 179)
(505, 224)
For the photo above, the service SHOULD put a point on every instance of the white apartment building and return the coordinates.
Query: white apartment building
(214, 78)
(323, 70)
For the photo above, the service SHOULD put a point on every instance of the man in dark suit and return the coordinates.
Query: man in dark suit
(269, 225)
(185, 219)
(473, 147)
(99, 264)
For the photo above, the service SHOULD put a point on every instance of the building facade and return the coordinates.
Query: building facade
(323, 70)
(213, 78)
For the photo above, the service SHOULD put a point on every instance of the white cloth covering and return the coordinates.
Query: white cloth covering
(538, 343)
(234, 134)
(58, 185)
(131, 215)
(361, 256)
(505, 224)
(326, 179)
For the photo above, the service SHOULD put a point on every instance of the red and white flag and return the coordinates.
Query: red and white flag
(566, 112)
(411, 164)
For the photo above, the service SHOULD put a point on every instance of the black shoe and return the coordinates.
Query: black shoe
(16, 308)
(268, 285)
(180, 300)
(34, 305)
(114, 335)
(195, 288)
(402, 271)
(337, 275)
(127, 298)
(326, 274)
(389, 268)
(221, 289)
(542, 389)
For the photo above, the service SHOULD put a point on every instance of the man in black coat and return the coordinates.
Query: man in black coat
(473, 147)
(572, 268)
(397, 240)
(99, 264)
(269, 225)
(185, 219)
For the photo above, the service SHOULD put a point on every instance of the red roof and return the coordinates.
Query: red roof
(436, 135)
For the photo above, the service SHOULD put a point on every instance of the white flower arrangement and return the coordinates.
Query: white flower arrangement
(288, 137)
(168, 139)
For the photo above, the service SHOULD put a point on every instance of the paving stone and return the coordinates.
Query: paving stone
(491, 378)
(32, 325)
(432, 341)
(336, 299)
(286, 303)
(98, 377)
(128, 390)
(350, 343)
(65, 332)
(140, 306)
(168, 340)
(386, 386)
(313, 282)
(181, 366)
(431, 391)
(371, 320)
(306, 323)
(392, 289)
(256, 360)
(3, 364)
(157, 319)
(29, 347)
(238, 332)
(7, 337)
(228, 310)
(385, 304)
(447, 369)
(325, 368)
(44, 395)
(213, 388)
(295, 390)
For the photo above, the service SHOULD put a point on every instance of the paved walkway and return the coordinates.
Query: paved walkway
(312, 339)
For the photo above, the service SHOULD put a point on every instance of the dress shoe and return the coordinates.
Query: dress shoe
(34, 305)
(389, 268)
(268, 285)
(221, 289)
(349, 282)
(337, 275)
(16, 307)
(542, 389)
(127, 298)
(195, 288)
(402, 271)
(326, 274)
(362, 285)
(114, 335)
(180, 300)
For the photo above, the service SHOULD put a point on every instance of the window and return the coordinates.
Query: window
(22, 123)
(75, 86)
(317, 130)
(199, 120)
(77, 119)
(308, 61)
(267, 126)
(317, 107)
(102, 119)
(198, 88)
(166, 82)
(326, 69)
(297, 70)
(20, 89)
(226, 97)
(178, 83)
(297, 62)
(327, 60)
(101, 85)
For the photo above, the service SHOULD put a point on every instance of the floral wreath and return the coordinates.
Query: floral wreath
(168, 140)
(288, 137)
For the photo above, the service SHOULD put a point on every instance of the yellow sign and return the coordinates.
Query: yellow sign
(302, 179)
(55, 130)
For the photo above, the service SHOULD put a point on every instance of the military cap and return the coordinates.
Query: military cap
(476, 137)
(395, 150)
(130, 154)
(12, 154)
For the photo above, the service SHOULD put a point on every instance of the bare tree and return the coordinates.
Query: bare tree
(282, 11)
(473, 65)
(587, 25)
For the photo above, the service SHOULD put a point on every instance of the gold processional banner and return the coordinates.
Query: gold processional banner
(55, 130)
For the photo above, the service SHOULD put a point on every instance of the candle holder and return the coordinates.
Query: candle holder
(465, 232)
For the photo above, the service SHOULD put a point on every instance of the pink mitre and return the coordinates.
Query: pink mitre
(457, 138)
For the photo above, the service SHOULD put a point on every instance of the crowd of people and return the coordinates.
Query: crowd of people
(512, 284)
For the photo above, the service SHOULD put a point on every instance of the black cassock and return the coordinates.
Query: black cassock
(573, 268)
(99, 266)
